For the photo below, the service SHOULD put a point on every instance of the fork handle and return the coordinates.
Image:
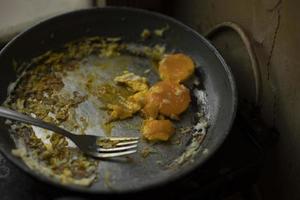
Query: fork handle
(11, 114)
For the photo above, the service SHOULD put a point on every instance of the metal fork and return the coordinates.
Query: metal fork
(95, 146)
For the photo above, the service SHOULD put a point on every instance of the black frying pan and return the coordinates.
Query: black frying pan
(128, 23)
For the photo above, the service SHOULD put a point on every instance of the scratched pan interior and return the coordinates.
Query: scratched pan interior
(215, 76)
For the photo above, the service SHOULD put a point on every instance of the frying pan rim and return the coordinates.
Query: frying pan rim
(178, 175)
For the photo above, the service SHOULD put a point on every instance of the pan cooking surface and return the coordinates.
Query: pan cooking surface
(58, 81)
(155, 163)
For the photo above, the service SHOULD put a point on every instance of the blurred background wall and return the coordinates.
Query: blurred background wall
(273, 26)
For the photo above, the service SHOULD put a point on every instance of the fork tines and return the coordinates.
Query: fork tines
(121, 146)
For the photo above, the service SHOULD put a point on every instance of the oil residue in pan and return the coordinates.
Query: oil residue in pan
(88, 117)
(94, 72)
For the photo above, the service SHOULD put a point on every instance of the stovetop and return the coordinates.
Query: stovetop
(234, 168)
